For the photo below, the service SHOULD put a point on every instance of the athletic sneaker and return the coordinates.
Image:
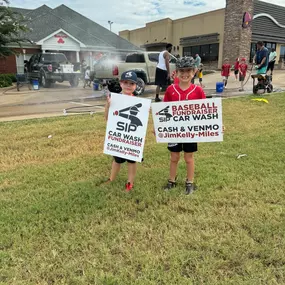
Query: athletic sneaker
(170, 184)
(129, 187)
(189, 188)
(157, 99)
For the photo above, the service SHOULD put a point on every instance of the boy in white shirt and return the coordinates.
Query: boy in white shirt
(87, 77)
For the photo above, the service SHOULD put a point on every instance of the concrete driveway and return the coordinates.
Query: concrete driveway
(233, 86)
(53, 101)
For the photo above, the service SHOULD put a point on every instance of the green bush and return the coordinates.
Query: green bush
(12, 76)
(4, 83)
(6, 80)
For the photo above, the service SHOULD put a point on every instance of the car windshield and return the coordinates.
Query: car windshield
(59, 57)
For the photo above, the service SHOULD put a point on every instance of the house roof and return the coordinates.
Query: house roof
(45, 21)
(20, 10)
(40, 11)
(47, 24)
(93, 28)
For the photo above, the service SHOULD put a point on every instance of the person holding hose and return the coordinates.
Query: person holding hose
(162, 73)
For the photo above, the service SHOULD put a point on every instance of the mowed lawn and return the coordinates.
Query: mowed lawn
(60, 225)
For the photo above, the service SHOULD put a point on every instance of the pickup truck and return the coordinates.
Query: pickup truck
(51, 67)
(142, 63)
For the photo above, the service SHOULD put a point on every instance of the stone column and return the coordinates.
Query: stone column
(77, 57)
(237, 40)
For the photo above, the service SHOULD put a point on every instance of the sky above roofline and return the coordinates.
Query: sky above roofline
(128, 14)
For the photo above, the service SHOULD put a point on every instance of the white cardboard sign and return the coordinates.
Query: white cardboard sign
(188, 121)
(126, 126)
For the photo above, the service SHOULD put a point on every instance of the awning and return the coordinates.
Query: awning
(268, 38)
(150, 45)
(199, 40)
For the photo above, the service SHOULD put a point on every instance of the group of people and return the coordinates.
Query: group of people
(263, 60)
(240, 70)
(186, 68)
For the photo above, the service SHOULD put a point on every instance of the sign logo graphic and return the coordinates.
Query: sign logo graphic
(165, 115)
(246, 20)
(129, 113)
(164, 112)
(61, 38)
(129, 74)
(61, 41)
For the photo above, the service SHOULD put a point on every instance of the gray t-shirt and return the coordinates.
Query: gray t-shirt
(197, 61)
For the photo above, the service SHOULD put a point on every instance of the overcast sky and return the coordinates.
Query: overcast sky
(129, 14)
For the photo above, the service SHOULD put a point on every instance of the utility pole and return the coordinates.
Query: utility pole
(110, 23)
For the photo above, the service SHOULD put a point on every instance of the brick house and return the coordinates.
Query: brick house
(64, 30)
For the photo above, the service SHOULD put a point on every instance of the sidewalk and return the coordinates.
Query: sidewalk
(233, 86)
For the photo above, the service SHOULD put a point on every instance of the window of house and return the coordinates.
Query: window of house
(195, 50)
(270, 45)
(207, 53)
(282, 53)
(187, 51)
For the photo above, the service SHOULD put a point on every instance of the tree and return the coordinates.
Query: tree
(13, 27)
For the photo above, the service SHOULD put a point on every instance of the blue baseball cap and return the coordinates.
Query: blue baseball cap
(129, 76)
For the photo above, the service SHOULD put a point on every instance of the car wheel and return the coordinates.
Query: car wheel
(74, 82)
(114, 86)
(45, 83)
(255, 89)
(140, 87)
(269, 88)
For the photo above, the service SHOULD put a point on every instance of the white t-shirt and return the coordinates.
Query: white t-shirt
(272, 56)
(161, 61)
(87, 74)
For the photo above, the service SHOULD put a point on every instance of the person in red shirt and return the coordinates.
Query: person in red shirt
(226, 70)
(236, 68)
(185, 90)
(242, 72)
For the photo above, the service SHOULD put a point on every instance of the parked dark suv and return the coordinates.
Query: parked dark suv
(51, 67)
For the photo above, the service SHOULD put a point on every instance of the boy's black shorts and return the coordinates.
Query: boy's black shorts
(236, 72)
(241, 77)
(122, 160)
(200, 79)
(186, 147)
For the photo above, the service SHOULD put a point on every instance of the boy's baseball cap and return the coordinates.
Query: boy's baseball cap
(129, 76)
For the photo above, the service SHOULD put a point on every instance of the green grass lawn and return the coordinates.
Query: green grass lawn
(59, 225)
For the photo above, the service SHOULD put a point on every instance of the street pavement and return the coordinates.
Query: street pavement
(53, 101)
